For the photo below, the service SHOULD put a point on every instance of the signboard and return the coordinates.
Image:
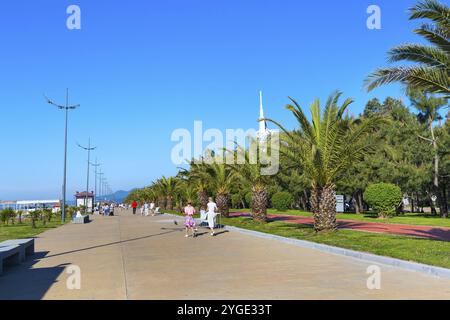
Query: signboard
(339, 203)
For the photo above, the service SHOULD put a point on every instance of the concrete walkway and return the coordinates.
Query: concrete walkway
(134, 257)
(427, 232)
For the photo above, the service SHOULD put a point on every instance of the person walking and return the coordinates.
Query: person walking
(189, 222)
(134, 206)
(152, 208)
(106, 210)
(146, 209)
(212, 213)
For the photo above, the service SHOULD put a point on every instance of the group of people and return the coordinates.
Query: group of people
(105, 209)
(146, 208)
(211, 214)
(189, 211)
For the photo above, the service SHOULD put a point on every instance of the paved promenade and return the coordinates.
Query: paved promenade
(134, 257)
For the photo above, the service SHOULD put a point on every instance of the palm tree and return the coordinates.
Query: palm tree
(249, 175)
(324, 149)
(197, 175)
(219, 178)
(431, 69)
(160, 193)
(428, 107)
(168, 186)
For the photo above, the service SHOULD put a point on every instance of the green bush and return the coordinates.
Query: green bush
(236, 200)
(282, 200)
(248, 199)
(383, 197)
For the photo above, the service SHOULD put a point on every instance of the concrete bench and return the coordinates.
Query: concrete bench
(26, 246)
(9, 255)
(81, 220)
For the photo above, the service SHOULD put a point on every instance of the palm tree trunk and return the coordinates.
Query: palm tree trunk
(323, 205)
(259, 203)
(169, 205)
(222, 204)
(202, 200)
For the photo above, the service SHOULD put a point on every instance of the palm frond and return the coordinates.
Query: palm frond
(437, 35)
(431, 9)
(431, 56)
(427, 78)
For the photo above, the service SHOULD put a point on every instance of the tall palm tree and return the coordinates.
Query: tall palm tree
(249, 174)
(199, 178)
(160, 193)
(218, 177)
(431, 69)
(169, 186)
(324, 149)
(428, 107)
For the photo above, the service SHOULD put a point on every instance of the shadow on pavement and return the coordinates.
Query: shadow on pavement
(23, 282)
(108, 244)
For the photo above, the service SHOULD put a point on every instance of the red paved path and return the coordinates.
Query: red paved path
(434, 233)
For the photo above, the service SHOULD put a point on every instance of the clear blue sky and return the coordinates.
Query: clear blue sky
(141, 69)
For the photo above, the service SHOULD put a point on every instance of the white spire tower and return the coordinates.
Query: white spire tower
(263, 133)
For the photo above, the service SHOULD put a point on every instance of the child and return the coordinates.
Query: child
(189, 223)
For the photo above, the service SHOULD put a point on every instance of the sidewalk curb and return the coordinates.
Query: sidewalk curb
(368, 257)
(393, 262)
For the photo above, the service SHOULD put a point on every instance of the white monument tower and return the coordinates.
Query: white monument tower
(263, 133)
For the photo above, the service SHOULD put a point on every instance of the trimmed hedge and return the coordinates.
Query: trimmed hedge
(383, 197)
(282, 200)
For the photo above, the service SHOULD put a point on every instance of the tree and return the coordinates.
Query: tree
(324, 149)
(250, 176)
(428, 107)
(197, 176)
(401, 159)
(383, 197)
(431, 69)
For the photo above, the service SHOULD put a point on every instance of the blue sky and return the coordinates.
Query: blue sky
(141, 69)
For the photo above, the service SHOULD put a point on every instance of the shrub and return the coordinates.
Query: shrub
(383, 197)
(236, 200)
(248, 199)
(282, 200)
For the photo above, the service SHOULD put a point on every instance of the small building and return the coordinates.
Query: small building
(82, 197)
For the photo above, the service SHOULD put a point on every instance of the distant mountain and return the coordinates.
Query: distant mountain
(117, 196)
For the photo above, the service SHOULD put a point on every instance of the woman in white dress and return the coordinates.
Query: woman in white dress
(212, 213)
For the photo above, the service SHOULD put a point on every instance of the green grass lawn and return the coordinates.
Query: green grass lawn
(431, 252)
(420, 219)
(24, 230)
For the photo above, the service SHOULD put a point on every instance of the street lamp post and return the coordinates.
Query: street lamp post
(100, 182)
(65, 107)
(88, 149)
(95, 165)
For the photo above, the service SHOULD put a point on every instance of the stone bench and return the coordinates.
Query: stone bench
(26, 246)
(81, 220)
(9, 255)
